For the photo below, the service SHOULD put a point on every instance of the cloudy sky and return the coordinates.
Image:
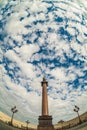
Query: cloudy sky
(43, 38)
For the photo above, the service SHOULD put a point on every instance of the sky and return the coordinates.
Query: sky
(43, 38)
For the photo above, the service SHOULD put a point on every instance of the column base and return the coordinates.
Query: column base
(45, 123)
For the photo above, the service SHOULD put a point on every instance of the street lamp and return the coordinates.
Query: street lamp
(14, 110)
(76, 109)
(27, 123)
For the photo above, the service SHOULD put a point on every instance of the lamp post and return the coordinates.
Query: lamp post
(76, 109)
(27, 124)
(14, 110)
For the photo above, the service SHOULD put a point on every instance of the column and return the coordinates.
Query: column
(44, 85)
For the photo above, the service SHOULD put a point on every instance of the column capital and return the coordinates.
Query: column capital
(44, 82)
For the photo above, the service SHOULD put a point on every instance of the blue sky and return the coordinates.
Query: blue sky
(43, 38)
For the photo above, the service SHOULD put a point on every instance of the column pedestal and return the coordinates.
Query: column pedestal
(45, 123)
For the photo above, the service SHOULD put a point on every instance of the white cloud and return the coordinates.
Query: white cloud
(59, 73)
(26, 51)
(18, 27)
(26, 68)
(81, 49)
